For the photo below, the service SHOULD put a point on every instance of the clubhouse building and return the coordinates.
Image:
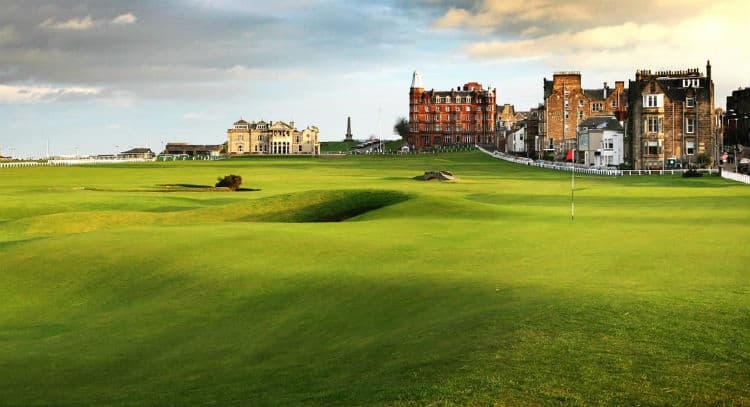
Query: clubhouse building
(271, 138)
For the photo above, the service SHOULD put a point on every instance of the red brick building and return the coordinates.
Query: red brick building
(460, 116)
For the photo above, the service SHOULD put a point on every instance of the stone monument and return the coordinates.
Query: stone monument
(348, 129)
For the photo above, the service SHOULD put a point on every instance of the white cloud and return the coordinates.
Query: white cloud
(77, 24)
(40, 94)
(127, 18)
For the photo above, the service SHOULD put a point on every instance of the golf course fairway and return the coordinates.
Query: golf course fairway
(343, 281)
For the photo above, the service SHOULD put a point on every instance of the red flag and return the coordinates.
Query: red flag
(569, 157)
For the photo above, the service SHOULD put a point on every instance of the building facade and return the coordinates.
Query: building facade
(274, 138)
(671, 119)
(601, 142)
(460, 116)
(567, 104)
(192, 150)
(736, 120)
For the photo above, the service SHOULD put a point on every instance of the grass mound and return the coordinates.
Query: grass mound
(324, 206)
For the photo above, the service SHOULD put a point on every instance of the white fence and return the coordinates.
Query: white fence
(66, 163)
(744, 178)
(586, 170)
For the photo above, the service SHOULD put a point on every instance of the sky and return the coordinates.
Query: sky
(95, 77)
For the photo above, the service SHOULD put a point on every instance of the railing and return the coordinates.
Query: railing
(744, 178)
(67, 163)
(585, 170)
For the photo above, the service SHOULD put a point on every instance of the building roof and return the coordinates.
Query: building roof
(138, 150)
(602, 123)
(186, 146)
(241, 121)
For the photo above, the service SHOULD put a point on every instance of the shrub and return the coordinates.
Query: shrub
(691, 173)
(231, 181)
(703, 160)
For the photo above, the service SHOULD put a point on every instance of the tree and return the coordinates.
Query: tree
(232, 182)
(402, 127)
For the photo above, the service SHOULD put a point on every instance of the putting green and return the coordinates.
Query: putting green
(345, 282)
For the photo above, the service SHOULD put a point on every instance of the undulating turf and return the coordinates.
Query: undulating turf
(345, 282)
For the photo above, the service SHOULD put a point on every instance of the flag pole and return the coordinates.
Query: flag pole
(573, 187)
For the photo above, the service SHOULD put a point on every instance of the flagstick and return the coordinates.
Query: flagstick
(573, 188)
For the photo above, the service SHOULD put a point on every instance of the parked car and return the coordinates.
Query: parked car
(744, 166)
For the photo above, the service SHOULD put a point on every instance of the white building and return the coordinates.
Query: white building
(515, 141)
(600, 141)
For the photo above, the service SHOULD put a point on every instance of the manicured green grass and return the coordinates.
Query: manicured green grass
(342, 281)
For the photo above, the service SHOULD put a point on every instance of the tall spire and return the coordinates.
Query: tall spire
(416, 80)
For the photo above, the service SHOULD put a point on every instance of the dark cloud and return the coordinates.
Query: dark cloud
(75, 42)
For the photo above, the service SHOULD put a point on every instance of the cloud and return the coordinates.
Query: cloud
(7, 34)
(38, 94)
(76, 24)
(122, 19)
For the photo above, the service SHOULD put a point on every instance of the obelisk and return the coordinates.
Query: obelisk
(348, 129)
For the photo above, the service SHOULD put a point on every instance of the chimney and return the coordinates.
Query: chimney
(708, 70)
(606, 88)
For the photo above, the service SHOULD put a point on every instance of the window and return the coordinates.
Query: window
(299, 148)
(447, 108)
(690, 147)
(478, 117)
(448, 139)
(653, 124)
(239, 138)
(447, 99)
(239, 148)
(690, 125)
(437, 140)
(614, 103)
(686, 83)
(468, 139)
(567, 114)
(596, 107)
(690, 102)
(468, 108)
(468, 99)
(297, 139)
(580, 115)
(653, 100)
(489, 108)
(437, 117)
(438, 127)
(652, 148)
(426, 140)
(459, 127)
(479, 126)
(580, 103)
(566, 103)
(427, 109)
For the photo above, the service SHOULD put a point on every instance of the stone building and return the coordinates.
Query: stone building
(276, 138)
(461, 116)
(670, 119)
(736, 121)
(535, 131)
(567, 104)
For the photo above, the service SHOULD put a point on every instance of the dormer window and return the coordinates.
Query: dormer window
(653, 100)
(695, 83)
(690, 102)
(447, 99)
